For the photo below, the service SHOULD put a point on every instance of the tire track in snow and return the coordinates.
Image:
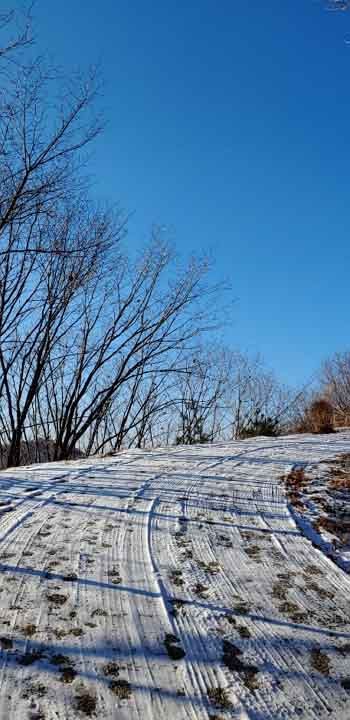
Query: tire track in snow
(139, 539)
(278, 656)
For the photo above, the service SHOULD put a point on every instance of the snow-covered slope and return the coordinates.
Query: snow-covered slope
(112, 569)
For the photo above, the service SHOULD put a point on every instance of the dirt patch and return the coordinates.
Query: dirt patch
(200, 589)
(121, 688)
(212, 568)
(115, 576)
(57, 599)
(321, 592)
(86, 702)
(99, 613)
(295, 482)
(300, 618)
(174, 650)
(231, 619)
(29, 630)
(312, 570)
(224, 541)
(296, 479)
(320, 661)
(243, 632)
(176, 577)
(241, 608)
(178, 605)
(68, 674)
(276, 556)
(289, 608)
(77, 632)
(250, 679)
(341, 481)
(279, 591)
(253, 551)
(60, 633)
(111, 669)
(219, 696)
(187, 554)
(339, 478)
(34, 690)
(324, 501)
(71, 576)
(334, 526)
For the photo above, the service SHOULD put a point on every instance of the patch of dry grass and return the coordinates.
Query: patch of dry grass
(279, 591)
(200, 589)
(312, 570)
(29, 630)
(212, 568)
(68, 674)
(334, 526)
(253, 551)
(321, 592)
(292, 611)
(233, 660)
(111, 669)
(175, 576)
(320, 661)
(57, 599)
(219, 696)
(242, 607)
(34, 689)
(86, 702)
(244, 632)
(121, 688)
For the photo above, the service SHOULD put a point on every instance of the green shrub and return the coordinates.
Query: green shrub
(260, 424)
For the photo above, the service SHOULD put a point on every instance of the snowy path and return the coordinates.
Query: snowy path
(102, 560)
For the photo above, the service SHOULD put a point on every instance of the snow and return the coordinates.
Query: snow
(322, 509)
(111, 567)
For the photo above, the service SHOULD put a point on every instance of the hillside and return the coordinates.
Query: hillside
(170, 584)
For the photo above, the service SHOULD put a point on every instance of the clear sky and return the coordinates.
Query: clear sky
(229, 122)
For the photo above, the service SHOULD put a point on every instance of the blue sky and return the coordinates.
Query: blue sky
(230, 124)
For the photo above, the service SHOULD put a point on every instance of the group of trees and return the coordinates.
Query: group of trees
(325, 405)
(99, 348)
(89, 338)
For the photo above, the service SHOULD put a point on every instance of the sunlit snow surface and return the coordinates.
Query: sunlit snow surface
(101, 560)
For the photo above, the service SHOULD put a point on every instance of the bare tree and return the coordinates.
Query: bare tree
(89, 341)
(253, 391)
(199, 392)
(135, 329)
(52, 239)
(16, 33)
(335, 385)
